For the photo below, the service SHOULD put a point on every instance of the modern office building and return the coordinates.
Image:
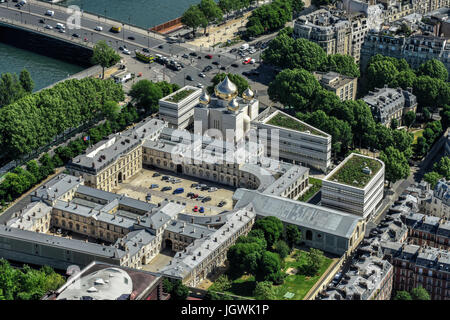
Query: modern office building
(387, 104)
(343, 86)
(356, 185)
(177, 109)
(293, 140)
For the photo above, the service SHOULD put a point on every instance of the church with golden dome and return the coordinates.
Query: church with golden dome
(226, 111)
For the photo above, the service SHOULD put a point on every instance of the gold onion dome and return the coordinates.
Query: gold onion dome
(233, 105)
(204, 98)
(248, 94)
(226, 89)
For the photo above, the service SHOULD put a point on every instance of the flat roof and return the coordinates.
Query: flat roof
(283, 120)
(350, 171)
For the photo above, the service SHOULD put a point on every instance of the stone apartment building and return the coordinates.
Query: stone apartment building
(334, 31)
(344, 87)
(426, 230)
(387, 104)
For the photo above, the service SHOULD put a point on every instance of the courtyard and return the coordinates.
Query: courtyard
(139, 186)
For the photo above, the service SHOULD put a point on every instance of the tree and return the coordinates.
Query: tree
(237, 79)
(394, 124)
(445, 116)
(409, 118)
(11, 89)
(244, 257)
(293, 235)
(194, 18)
(269, 17)
(432, 178)
(146, 94)
(268, 267)
(111, 110)
(403, 141)
(421, 147)
(396, 165)
(343, 64)
(404, 79)
(264, 290)
(222, 283)
(272, 228)
(420, 293)
(282, 249)
(211, 11)
(314, 260)
(433, 68)
(294, 88)
(104, 55)
(26, 81)
(402, 295)
(426, 114)
(380, 73)
(443, 167)
(431, 92)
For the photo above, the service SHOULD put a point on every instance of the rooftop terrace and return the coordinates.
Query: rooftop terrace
(284, 121)
(353, 172)
(180, 95)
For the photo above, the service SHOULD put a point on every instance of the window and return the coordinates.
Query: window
(308, 235)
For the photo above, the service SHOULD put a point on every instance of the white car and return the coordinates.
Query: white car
(201, 75)
(200, 86)
(62, 31)
(252, 61)
(50, 13)
(47, 26)
(98, 28)
(126, 51)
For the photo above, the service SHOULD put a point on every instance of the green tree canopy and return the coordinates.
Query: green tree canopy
(292, 235)
(396, 164)
(409, 118)
(282, 249)
(11, 89)
(268, 267)
(146, 94)
(343, 64)
(433, 68)
(25, 80)
(272, 228)
(431, 92)
(211, 11)
(194, 18)
(432, 178)
(104, 55)
(420, 293)
(264, 290)
(380, 73)
(443, 167)
(402, 295)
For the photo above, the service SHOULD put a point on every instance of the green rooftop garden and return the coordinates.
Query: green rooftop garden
(283, 121)
(351, 173)
(316, 185)
(177, 97)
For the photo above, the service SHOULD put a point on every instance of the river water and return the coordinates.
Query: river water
(141, 13)
(44, 71)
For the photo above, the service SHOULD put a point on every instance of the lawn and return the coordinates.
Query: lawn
(177, 97)
(417, 134)
(283, 121)
(351, 172)
(297, 284)
(316, 185)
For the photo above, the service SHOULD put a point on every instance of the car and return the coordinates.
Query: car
(47, 26)
(200, 198)
(195, 209)
(201, 75)
(246, 61)
(180, 64)
(212, 189)
(176, 180)
(222, 203)
(145, 50)
(188, 77)
(194, 54)
(156, 174)
(201, 210)
(148, 197)
(208, 56)
(223, 68)
(207, 68)
(235, 65)
(50, 13)
(161, 46)
(41, 21)
(216, 63)
(178, 191)
(199, 85)
(204, 188)
(154, 186)
(75, 35)
(233, 50)
(164, 178)
(252, 61)
(199, 57)
(121, 48)
(337, 278)
(126, 51)
(98, 28)
(185, 56)
(131, 38)
(166, 189)
(206, 199)
(195, 196)
(190, 194)
(62, 31)
(194, 185)
(59, 231)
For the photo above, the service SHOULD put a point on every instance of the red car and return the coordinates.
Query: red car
(195, 209)
(195, 196)
(208, 56)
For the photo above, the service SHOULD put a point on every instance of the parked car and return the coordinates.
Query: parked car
(76, 35)
(222, 203)
(164, 178)
(47, 26)
(156, 174)
(223, 68)
(176, 180)
(194, 54)
(154, 186)
(201, 75)
(204, 188)
(185, 56)
(148, 197)
(161, 46)
(190, 195)
(199, 85)
(215, 63)
(126, 51)
(208, 56)
(195, 209)
(206, 199)
(178, 191)
(201, 210)
(166, 189)
(235, 65)
(145, 50)
(188, 77)
(194, 185)
(212, 189)
(131, 38)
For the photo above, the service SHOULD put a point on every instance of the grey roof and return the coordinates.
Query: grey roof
(60, 242)
(286, 180)
(26, 218)
(57, 186)
(189, 229)
(300, 213)
(134, 241)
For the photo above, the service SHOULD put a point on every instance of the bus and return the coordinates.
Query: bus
(116, 29)
(145, 57)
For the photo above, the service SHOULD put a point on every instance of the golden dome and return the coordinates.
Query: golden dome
(233, 105)
(248, 94)
(204, 98)
(226, 90)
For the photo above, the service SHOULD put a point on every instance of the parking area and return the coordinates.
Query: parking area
(138, 187)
